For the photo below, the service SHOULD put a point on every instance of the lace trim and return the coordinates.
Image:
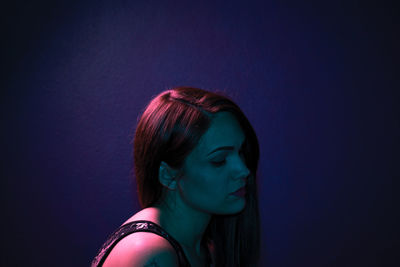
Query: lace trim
(132, 227)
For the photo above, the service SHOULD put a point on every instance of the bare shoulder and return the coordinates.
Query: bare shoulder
(142, 249)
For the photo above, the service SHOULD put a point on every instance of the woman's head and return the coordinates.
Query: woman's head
(172, 151)
(173, 154)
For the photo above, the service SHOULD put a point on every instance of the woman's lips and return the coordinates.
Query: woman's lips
(241, 192)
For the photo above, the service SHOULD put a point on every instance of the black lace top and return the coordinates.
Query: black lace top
(139, 226)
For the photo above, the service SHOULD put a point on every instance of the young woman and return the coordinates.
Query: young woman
(195, 161)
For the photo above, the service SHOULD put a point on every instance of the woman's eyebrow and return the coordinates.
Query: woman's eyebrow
(224, 148)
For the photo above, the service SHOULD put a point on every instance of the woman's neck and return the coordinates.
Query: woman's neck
(185, 224)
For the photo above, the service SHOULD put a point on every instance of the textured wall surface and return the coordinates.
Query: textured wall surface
(316, 80)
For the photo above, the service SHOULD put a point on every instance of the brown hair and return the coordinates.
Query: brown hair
(169, 128)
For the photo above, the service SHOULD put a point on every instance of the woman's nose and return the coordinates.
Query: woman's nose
(241, 170)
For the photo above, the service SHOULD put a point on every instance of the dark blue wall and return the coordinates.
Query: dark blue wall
(317, 81)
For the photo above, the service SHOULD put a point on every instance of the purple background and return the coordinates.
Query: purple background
(317, 81)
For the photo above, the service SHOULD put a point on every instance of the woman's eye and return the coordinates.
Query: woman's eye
(219, 163)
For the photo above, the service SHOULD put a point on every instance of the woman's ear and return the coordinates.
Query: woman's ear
(168, 176)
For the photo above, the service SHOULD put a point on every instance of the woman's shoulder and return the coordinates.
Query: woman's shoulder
(141, 248)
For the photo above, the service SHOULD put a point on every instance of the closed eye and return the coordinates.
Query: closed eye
(219, 163)
(222, 162)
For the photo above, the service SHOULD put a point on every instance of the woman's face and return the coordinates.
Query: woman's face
(215, 169)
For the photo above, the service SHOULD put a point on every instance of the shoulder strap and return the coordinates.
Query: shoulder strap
(132, 227)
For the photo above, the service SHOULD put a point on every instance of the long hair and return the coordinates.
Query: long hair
(168, 130)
